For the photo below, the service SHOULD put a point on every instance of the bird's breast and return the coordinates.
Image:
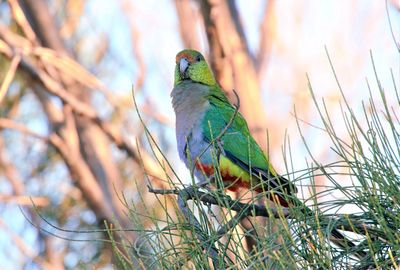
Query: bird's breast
(190, 105)
(189, 133)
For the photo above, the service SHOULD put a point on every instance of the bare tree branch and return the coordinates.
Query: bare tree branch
(10, 124)
(24, 200)
(193, 193)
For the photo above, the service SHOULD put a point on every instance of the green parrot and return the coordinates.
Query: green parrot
(211, 134)
(202, 113)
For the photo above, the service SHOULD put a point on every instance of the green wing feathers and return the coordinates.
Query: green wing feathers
(237, 139)
(237, 143)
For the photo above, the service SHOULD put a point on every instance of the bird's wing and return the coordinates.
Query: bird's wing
(239, 146)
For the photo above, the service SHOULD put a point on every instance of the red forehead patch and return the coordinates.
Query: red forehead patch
(189, 56)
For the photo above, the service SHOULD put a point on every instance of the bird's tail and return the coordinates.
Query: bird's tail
(342, 241)
(286, 198)
(336, 236)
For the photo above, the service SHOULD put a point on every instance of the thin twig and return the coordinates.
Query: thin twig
(6, 123)
(9, 76)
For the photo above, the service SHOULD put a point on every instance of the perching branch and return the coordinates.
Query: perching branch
(248, 209)
(344, 222)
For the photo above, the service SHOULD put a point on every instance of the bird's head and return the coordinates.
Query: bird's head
(191, 65)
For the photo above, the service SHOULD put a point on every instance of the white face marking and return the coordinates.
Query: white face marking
(183, 65)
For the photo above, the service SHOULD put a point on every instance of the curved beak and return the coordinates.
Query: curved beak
(183, 65)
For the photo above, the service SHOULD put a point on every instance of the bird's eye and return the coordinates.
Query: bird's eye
(198, 58)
